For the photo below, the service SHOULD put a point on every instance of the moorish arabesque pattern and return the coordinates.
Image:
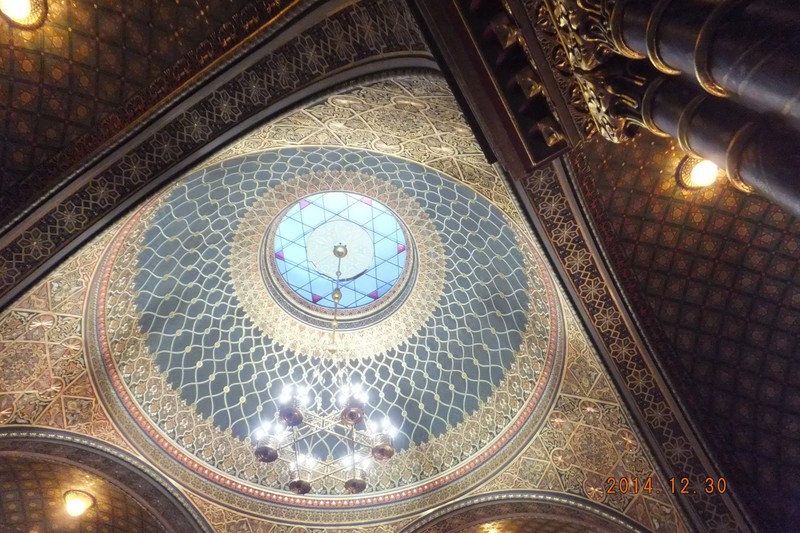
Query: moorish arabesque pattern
(588, 407)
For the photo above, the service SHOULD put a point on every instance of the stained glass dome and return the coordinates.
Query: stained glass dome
(375, 239)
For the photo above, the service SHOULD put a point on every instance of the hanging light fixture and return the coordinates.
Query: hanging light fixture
(25, 14)
(382, 437)
(286, 438)
(693, 173)
(78, 502)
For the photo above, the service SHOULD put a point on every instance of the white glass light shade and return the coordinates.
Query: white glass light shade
(18, 10)
(704, 173)
(77, 502)
(696, 173)
(27, 14)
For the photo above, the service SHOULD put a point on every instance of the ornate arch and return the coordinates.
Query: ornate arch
(545, 511)
(136, 479)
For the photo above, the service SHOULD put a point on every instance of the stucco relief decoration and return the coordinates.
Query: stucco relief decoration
(172, 408)
(44, 381)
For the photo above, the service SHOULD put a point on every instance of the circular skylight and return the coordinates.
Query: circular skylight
(376, 249)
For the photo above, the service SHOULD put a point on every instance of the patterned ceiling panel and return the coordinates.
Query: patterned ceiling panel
(720, 271)
(94, 67)
(32, 499)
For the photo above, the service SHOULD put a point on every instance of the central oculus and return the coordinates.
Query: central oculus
(369, 274)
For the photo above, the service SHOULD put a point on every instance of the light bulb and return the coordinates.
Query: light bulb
(303, 395)
(306, 461)
(77, 502)
(703, 174)
(696, 173)
(16, 10)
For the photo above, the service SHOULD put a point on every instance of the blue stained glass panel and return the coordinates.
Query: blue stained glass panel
(307, 215)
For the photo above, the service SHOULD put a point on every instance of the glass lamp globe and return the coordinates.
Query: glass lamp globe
(77, 502)
(27, 14)
(695, 173)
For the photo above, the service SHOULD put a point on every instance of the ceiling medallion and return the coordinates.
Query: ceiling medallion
(391, 286)
(300, 270)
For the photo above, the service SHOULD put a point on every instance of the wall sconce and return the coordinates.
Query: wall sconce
(78, 502)
(25, 14)
(693, 173)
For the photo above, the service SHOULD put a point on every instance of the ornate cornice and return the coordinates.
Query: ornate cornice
(609, 83)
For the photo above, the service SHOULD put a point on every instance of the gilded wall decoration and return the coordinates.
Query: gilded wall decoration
(588, 438)
(44, 380)
(551, 203)
(560, 455)
(224, 520)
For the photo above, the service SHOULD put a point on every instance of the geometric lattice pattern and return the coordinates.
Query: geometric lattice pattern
(43, 377)
(220, 361)
(32, 499)
(721, 272)
(389, 248)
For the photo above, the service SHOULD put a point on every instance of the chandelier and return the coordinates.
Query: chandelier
(289, 436)
(367, 441)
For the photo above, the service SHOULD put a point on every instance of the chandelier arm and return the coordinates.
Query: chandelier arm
(313, 431)
(353, 449)
(294, 445)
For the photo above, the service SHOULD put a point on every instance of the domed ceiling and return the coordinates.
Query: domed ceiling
(172, 335)
(218, 293)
